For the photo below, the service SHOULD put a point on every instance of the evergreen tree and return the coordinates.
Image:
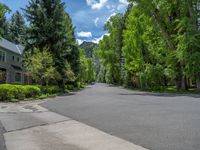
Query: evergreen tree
(73, 56)
(4, 24)
(50, 27)
(17, 28)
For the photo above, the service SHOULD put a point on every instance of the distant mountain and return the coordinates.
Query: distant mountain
(88, 47)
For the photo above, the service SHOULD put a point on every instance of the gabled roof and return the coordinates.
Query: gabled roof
(11, 46)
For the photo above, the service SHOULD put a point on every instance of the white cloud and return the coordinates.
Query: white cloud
(123, 2)
(113, 14)
(79, 41)
(84, 34)
(96, 21)
(96, 5)
(97, 40)
(90, 2)
(121, 7)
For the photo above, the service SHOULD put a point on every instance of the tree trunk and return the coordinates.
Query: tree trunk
(165, 81)
(198, 83)
(183, 83)
(179, 76)
(178, 83)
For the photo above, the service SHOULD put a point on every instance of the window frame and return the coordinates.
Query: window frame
(3, 56)
(18, 72)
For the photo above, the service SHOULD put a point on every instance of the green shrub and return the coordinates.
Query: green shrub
(31, 91)
(6, 92)
(10, 92)
(69, 87)
(49, 89)
(82, 85)
(19, 92)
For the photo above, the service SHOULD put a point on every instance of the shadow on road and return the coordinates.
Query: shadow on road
(73, 92)
(162, 94)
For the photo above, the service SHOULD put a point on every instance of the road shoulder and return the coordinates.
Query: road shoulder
(58, 132)
(2, 141)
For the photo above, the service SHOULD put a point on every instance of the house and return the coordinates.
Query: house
(11, 69)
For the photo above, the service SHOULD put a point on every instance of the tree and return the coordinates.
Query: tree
(154, 44)
(87, 68)
(41, 66)
(2, 9)
(73, 56)
(17, 29)
(4, 24)
(1, 14)
(109, 51)
(51, 27)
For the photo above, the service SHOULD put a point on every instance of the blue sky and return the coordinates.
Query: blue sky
(88, 16)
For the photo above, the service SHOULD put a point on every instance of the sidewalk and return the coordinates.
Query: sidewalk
(31, 127)
(2, 142)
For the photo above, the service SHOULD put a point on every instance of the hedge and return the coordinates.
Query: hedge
(9, 92)
(49, 89)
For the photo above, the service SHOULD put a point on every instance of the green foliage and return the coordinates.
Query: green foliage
(88, 47)
(30, 91)
(17, 29)
(154, 44)
(49, 89)
(109, 51)
(51, 28)
(2, 9)
(4, 24)
(14, 93)
(9, 92)
(87, 68)
(41, 66)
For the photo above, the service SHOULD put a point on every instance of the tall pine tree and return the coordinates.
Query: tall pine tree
(51, 28)
(4, 24)
(17, 28)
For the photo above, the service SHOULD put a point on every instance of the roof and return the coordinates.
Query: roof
(11, 46)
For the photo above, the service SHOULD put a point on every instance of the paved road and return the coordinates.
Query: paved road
(28, 126)
(154, 121)
(2, 142)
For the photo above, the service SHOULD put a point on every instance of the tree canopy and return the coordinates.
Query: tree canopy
(51, 28)
(154, 44)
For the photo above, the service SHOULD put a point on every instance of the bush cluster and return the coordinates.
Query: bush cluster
(9, 92)
(49, 89)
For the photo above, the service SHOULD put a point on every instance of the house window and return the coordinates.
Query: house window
(13, 58)
(18, 77)
(18, 59)
(2, 56)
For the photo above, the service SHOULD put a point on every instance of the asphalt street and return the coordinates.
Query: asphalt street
(2, 141)
(154, 121)
(28, 126)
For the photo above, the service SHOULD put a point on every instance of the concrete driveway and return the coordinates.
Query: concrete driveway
(154, 121)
